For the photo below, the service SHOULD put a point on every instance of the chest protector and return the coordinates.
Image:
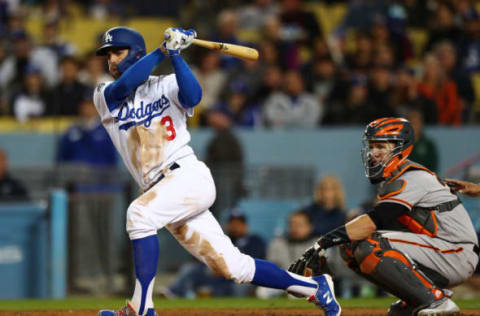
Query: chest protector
(420, 220)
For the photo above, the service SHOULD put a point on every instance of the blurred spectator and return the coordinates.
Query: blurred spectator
(212, 79)
(275, 46)
(8, 9)
(94, 71)
(225, 158)
(237, 106)
(360, 60)
(360, 15)
(10, 189)
(442, 26)
(195, 279)
(424, 150)
(418, 13)
(469, 46)
(252, 16)
(15, 24)
(383, 56)
(327, 211)
(270, 54)
(350, 107)
(53, 41)
(148, 8)
(249, 74)
(106, 9)
(294, 106)
(438, 87)
(88, 159)
(87, 142)
(226, 32)
(272, 80)
(54, 10)
(405, 95)
(447, 56)
(70, 92)
(33, 98)
(392, 41)
(379, 91)
(320, 76)
(284, 250)
(13, 69)
(298, 25)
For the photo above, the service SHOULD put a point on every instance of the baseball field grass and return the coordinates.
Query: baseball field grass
(207, 306)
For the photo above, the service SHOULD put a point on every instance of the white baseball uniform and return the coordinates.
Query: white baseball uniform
(150, 132)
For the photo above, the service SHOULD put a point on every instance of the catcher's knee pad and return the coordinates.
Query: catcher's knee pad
(346, 252)
(396, 273)
(364, 251)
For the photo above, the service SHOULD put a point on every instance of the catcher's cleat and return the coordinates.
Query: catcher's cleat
(441, 307)
(325, 296)
(400, 308)
(126, 311)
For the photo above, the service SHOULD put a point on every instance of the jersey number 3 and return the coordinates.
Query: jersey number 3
(168, 123)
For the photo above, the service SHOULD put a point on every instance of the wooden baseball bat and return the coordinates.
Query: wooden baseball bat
(242, 52)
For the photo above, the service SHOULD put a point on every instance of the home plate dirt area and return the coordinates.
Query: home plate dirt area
(224, 312)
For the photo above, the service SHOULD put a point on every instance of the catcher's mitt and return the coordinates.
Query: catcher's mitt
(312, 263)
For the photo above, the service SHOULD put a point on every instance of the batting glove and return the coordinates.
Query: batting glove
(177, 39)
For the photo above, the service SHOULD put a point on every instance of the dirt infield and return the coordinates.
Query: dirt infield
(224, 312)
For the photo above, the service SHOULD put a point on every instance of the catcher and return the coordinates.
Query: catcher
(416, 242)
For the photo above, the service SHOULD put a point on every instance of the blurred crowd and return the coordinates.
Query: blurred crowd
(370, 64)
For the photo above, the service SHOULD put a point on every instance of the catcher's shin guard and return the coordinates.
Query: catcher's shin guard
(395, 272)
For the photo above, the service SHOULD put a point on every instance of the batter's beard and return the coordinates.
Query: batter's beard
(115, 73)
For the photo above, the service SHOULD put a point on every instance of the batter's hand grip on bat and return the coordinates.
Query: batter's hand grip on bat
(238, 51)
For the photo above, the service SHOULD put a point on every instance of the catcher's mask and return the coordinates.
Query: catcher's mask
(123, 37)
(387, 142)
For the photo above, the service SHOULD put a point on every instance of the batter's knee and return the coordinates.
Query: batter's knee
(138, 223)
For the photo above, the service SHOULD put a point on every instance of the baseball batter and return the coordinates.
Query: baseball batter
(146, 118)
(417, 241)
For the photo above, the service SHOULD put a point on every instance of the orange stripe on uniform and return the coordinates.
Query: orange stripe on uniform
(447, 251)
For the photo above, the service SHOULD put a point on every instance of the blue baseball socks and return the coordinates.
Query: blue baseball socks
(145, 258)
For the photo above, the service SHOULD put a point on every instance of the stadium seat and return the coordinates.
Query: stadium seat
(419, 38)
(476, 87)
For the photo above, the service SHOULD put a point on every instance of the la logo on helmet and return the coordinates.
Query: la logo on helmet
(108, 38)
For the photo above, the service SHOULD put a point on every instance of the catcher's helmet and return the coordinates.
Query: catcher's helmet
(124, 37)
(398, 131)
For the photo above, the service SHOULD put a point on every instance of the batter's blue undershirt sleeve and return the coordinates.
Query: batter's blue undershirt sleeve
(135, 75)
(190, 92)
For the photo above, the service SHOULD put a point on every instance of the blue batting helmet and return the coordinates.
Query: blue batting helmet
(124, 37)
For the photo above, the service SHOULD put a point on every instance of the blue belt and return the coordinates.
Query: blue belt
(162, 175)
